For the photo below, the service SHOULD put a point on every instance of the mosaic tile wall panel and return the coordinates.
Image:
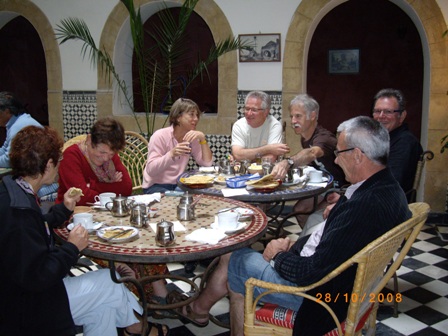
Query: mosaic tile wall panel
(78, 112)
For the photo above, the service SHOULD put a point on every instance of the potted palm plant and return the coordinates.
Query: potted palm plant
(155, 63)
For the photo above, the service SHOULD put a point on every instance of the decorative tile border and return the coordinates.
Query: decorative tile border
(79, 112)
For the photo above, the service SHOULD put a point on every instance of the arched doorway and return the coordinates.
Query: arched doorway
(390, 55)
(22, 67)
(435, 65)
(38, 20)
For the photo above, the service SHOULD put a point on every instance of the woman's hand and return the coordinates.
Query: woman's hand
(118, 177)
(194, 135)
(182, 148)
(70, 201)
(79, 237)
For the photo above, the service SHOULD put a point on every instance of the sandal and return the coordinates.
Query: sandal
(191, 316)
(161, 313)
(162, 330)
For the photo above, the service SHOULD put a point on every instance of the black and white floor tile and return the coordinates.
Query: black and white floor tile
(423, 279)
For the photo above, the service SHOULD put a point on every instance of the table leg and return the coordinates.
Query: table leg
(140, 290)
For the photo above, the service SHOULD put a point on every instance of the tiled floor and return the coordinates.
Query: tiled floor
(423, 281)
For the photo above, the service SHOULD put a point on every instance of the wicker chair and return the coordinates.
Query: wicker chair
(134, 157)
(370, 279)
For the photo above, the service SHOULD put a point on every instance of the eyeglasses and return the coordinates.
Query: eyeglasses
(252, 109)
(386, 112)
(337, 152)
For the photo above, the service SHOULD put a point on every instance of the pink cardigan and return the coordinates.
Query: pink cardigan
(161, 168)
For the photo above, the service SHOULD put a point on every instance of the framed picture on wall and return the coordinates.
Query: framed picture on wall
(262, 48)
(343, 61)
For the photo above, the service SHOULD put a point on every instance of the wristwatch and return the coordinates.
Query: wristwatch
(290, 162)
(272, 261)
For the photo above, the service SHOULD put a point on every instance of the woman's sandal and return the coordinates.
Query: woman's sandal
(162, 330)
(176, 297)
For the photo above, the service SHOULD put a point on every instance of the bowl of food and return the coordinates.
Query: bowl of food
(254, 168)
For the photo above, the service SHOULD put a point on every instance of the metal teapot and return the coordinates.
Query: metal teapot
(165, 233)
(139, 215)
(225, 167)
(120, 206)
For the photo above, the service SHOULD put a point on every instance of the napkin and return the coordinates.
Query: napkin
(146, 198)
(229, 192)
(298, 179)
(177, 226)
(211, 169)
(206, 236)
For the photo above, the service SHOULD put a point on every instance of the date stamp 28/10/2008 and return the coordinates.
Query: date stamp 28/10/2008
(353, 297)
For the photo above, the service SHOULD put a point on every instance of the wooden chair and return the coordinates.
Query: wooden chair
(134, 157)
(426, 156)
(74, 140)
(369, 281)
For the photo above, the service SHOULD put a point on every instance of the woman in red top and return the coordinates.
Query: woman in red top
(93, 164)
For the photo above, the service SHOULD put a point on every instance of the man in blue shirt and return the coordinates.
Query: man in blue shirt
(13, 116)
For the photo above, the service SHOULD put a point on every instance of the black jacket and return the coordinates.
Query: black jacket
(33, 299)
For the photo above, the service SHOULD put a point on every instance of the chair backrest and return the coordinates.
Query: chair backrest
(74, 140)
(134, 157)
(370, 277)
(373, 259)
(426, 156)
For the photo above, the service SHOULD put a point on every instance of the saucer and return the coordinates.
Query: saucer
(240, 227)
(98, 206)
(95, 226)
(133, 233)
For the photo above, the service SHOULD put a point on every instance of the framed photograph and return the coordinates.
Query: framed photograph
(262, 48)
(343, 61)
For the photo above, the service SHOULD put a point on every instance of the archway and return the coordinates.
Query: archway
(116, 41)
(304, 22)
(11, 9)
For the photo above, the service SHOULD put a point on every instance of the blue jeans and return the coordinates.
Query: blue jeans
(161, 188)
(247, 263)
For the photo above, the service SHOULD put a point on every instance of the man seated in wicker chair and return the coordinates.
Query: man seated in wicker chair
(374, 204)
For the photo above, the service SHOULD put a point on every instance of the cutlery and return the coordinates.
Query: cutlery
(120, 234)
(228, 209)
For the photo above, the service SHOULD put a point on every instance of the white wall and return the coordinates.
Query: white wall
(245, 17)
(77, 74)
(259, 17)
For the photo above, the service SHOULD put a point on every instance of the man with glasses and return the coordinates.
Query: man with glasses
(258, 134)
(389, 108)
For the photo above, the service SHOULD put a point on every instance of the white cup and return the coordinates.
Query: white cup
(104, 198)
(315, 176)
(83, 218)
(228, 220)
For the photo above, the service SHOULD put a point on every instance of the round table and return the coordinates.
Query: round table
(143, 249)
(281, 194)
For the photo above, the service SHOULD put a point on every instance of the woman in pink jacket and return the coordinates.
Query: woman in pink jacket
(170, 148)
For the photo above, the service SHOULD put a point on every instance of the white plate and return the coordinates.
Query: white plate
(100, 233)
(245, 213)
(220, 182)
(240, 227)
(208, 169)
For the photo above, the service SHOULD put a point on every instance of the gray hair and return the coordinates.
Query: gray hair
(308, 103)
(263, 96)
(369, 136)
